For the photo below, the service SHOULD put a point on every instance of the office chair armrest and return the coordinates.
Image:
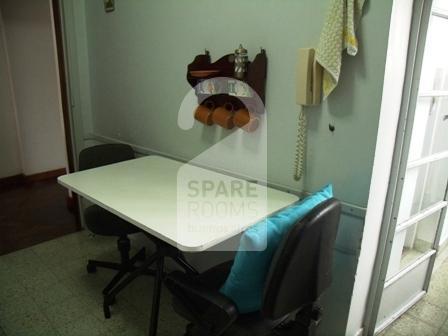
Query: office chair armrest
(207, 307)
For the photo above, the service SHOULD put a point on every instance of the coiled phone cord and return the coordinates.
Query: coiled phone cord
(299, 162)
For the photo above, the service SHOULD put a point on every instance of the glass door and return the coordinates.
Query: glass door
(423, 202)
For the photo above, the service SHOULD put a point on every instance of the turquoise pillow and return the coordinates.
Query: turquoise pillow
(246, 281)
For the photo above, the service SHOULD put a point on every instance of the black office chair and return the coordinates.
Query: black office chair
(102, 222)
(298, 275)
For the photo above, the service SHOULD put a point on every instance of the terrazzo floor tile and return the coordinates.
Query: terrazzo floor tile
(76, 238)
(68, 311)
(52, 295)
(87, 325)
(139, 294)
(444, 330)
(409, 326)
(89, 286)
(21, 257)
(26, 322)
(68, 269)
(389, 332)
(45, 290)
(427, 312)
(17, 266)
(11, 290)
(125, 317)
(37, 279)
(15, 308)
(49, 248)
(437, 296)
(430, 315)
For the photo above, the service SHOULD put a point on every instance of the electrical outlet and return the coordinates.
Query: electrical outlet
(109, 5)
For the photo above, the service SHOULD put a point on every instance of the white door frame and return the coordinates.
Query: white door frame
(420, 21)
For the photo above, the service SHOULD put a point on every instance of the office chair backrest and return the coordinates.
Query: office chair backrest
(103, 155)
(301, 268)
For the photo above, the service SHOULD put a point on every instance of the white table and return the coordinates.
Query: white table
(181, 205)
(153, 193)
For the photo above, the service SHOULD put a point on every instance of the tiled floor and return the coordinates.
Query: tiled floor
(429, 317)
(45, 290)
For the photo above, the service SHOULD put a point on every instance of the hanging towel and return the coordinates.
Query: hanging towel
(338, 34)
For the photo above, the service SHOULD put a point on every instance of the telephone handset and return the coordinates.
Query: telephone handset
(308, 92)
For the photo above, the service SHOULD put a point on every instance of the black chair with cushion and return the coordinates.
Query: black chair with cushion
(101, 222)
(299, 273)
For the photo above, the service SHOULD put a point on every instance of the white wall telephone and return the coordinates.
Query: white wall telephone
(308, 92)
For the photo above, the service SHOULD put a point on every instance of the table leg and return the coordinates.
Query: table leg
(157, 291)
(185, 265)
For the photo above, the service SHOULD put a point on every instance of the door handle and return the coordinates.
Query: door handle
(445, 117)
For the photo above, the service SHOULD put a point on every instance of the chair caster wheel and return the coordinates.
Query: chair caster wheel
(91, 268)
(106, 310)
(106, 305)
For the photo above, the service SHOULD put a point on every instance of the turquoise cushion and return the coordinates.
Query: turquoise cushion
(246, 281)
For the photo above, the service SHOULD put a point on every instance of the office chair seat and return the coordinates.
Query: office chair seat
(245, 325)
(299, 273)
(105, 223)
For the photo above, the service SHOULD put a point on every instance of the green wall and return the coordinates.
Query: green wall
(128, 80)
(138, 56)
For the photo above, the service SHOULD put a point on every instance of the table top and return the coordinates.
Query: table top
(184, 205)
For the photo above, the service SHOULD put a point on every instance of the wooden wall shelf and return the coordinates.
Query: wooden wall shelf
(218, 89)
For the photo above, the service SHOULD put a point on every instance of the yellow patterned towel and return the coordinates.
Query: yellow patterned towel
(338, 34)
